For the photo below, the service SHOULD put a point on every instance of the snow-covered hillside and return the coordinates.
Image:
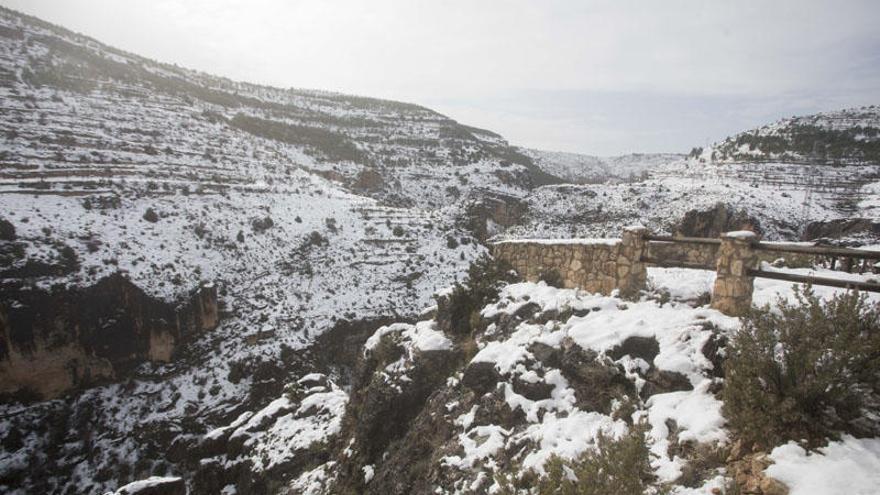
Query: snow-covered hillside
(555, 369)
(850, 136)
(781, 199)
(579, 168)
(319, 217)
(284, 199)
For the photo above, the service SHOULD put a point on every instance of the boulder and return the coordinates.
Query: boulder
(663, 381)
(645, 348)
(715, 221)
(596, 382)
(539, 390)
(481, 377)
(548, 355)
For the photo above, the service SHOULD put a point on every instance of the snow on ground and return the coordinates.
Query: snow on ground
(577, 167)
(422, 337)
(317, 419)
(783, 197)
(850, 466)
(140, 486)
(686, 284)
(556, 426)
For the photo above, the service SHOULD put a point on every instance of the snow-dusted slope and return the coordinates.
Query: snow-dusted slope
(308, 209)
(110, 162)
(579, 168)
(850, 136)
(555, 369)
(782, 198)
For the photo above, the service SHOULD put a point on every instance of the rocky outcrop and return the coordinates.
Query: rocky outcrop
(491, 210)
(715, 221)
(392, 384)
(842, 228)
(7, 230)
(747, 469)
(369, 180)
(53, 341)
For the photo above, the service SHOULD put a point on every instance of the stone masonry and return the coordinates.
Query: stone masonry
(595, 265)
(606, 265)
(732, 294)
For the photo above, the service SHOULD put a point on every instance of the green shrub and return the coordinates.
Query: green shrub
(803, 370)
(459, 312)
(620, 466)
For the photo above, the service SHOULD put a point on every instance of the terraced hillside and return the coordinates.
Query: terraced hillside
(308, 210)
(316, 216)
(844, 137)
(769, 178)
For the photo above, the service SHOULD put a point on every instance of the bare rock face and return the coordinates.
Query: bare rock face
(384, 404)
(499, 209)
(747, 470)
(596, 382)
(717, 220)
(842, 227)
(7, 230)
(64, 338)
(369, 180)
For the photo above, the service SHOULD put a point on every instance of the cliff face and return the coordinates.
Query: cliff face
(57, 340)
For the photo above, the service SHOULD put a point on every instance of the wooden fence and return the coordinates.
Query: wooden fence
(737, 265)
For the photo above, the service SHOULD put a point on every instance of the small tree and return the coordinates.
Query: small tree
(486, 277)
(151, 216)
(803, 370)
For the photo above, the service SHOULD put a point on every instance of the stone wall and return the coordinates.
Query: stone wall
(596, 265)
(732, 294)
(605, 265)
(53, 341)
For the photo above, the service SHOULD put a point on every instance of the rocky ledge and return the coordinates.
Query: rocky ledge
(63, 338)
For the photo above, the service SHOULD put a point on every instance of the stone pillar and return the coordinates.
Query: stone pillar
(631, 272)
(733, 285)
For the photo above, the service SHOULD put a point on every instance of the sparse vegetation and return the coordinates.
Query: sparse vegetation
(618, 465)
(803, 370)
(262, 224)
(486, 276)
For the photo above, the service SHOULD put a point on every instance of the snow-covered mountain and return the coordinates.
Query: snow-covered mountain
(318, 217)
(589, 169)
(850, 136)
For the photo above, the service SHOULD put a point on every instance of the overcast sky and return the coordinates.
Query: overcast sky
(598, 77)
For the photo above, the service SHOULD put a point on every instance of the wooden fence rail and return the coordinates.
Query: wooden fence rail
(675, 263)
(692, 240)
(736, 267)
(818, 250)
(814, 280)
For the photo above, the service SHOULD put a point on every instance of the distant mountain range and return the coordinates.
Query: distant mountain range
(584, 169)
